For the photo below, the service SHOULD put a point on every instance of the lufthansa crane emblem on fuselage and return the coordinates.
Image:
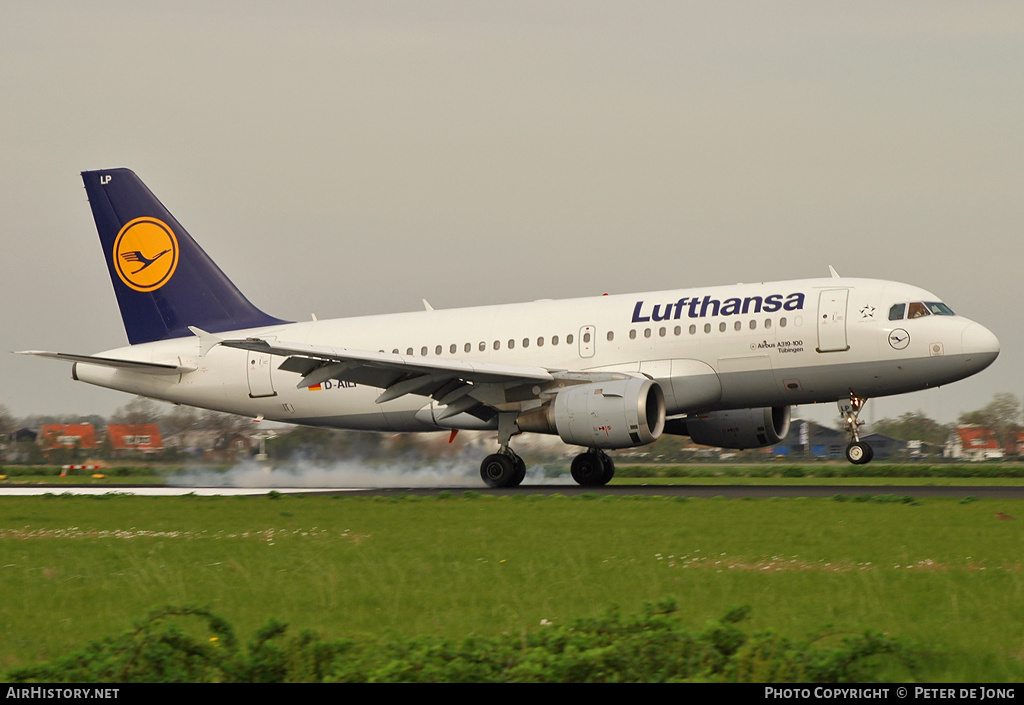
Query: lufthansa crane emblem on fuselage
(899, 339)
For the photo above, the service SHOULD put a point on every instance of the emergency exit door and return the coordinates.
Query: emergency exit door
(258, 370)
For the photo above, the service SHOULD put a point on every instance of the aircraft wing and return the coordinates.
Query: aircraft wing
(456, 384)
(151, 368)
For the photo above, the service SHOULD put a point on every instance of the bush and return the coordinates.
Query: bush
(650, 647)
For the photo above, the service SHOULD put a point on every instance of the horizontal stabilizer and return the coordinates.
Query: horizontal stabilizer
(150, 368)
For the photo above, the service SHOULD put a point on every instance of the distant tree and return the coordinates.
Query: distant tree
(913, 426)
(38, 420)
(180, 419)
(1001, 416)
(324, 444)
(225, 425)
(8, 424)
(137, 412)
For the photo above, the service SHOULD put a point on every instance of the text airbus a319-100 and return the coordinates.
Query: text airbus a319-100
(722, 365)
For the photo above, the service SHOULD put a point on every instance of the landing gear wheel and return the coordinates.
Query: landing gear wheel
(499, 470)
(859, 453)
(609, 469)
(520, 472)
(592, 469)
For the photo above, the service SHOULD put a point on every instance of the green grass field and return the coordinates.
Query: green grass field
(944, 574)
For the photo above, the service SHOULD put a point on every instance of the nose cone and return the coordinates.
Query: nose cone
(980, 347)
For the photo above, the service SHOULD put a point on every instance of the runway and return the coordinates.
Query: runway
(619, 490)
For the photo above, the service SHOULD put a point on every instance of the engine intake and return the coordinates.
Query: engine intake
(619, 413)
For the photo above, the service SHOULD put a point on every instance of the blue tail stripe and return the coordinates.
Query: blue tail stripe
(163, 280)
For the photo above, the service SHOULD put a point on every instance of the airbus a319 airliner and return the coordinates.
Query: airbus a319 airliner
(722, 365)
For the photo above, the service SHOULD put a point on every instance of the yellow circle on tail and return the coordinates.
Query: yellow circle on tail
(145, 254)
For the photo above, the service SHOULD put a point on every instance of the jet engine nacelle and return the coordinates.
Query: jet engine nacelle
(737, 428)
(619, 413)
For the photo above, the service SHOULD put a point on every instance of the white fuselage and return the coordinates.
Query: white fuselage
(742, 346)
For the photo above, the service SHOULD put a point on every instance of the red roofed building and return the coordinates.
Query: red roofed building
(135, 437)
(1016, 444)
(974, 444)
(68, 436)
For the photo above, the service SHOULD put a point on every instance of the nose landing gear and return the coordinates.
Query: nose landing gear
(858, 452)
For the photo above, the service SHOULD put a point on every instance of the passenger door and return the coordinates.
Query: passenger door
(832, 320)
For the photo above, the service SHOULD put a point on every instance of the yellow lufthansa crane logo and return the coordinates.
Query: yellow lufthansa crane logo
(145, 254)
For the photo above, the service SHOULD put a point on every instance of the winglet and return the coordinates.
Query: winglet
(835, 274)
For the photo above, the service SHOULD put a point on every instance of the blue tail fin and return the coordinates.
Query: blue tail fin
(163, 280)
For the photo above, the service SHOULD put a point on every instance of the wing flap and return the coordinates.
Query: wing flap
(380, 365)
(452, 382)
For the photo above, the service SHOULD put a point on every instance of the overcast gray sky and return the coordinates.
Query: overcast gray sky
(342, 158)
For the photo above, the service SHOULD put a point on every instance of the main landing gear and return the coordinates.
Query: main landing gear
(592, 468)
(858, 452)
(504, 468)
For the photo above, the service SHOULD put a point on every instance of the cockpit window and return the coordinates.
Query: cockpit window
(917, 310)
(939, 309)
